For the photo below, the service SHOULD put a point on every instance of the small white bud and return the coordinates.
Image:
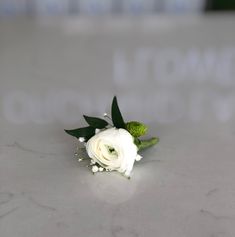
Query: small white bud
(81, 139)
(105, 114)
(97, 130)
(94, 168)
(127, 174)
(101, 169)
(93, 162)
(138, 158)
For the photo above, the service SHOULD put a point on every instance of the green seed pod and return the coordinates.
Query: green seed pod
(136, 129)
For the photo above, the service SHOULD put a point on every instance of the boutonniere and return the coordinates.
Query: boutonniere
(111, 143)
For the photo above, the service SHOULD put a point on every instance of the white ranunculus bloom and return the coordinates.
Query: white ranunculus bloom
(113, 149)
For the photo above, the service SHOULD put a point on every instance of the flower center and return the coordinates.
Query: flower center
(111, 150)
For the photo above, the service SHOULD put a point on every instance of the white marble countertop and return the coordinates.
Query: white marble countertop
(183, 187)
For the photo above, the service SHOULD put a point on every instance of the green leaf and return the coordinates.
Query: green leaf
(95, 122)
(144, 144)
(117, 119)
(86, 132)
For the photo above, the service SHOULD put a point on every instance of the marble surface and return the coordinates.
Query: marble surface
(182, 187)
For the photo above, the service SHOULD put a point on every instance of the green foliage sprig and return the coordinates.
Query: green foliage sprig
(136, 129)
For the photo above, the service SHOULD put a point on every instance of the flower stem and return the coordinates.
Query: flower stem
(148, 143)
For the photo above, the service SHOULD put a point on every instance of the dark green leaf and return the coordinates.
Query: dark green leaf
(118, 121)
(86, 132)
(95, 122)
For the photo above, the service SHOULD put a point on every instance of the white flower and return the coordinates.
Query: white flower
(113, 149)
